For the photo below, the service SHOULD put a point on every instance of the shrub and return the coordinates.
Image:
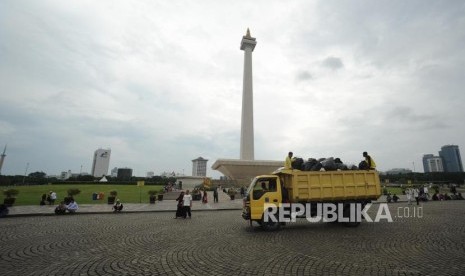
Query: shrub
(73, 192)
(152, 192)
(10, 193)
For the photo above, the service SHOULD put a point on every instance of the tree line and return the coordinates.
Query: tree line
(40, 178)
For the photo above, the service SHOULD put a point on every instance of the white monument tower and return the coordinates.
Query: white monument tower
(247, 138)
(246, 167)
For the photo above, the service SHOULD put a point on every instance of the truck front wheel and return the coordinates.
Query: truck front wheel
(270, 225)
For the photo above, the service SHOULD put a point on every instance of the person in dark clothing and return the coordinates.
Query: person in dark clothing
(61, 209)
(3, 210)
(118, 206)
(43, 199)
(215, 195)
(180, 209)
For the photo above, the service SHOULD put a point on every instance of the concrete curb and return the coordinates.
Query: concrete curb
(106, 212)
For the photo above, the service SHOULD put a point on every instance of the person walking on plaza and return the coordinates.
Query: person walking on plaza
(288, 162)
(180, 207)
(370, 162)
(204, 197)
(425, 190)
(187, 204)
(408, 193)
(416, 195)
(215, 195)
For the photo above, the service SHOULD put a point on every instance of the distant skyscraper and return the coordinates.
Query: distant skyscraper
(452, 160)
(2, 158)
(199, 167)
(101, 162)
(432, 163)
(124, 174)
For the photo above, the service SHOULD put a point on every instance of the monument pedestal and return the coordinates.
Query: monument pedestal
(243, 171)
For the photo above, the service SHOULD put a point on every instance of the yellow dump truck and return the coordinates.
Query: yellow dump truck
(309, 188)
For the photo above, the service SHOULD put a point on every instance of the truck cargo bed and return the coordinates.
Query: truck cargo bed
(311, 186)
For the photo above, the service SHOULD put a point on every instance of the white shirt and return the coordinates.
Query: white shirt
(425, 190)
(72, 206)
(53, 195)
(187, 200)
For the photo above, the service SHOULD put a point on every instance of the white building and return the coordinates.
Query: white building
(101, 162)
(114, 172)
(199, 167)
(435, 164)
(150, 174)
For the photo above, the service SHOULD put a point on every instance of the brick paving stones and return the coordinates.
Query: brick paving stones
(222, 243)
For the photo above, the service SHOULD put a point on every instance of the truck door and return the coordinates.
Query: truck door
(266, 191)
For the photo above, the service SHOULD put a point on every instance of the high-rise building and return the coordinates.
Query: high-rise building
(2, 158)
(199, 167)
(101, 162)
(432, 163)
(124, 174)
(452, 160)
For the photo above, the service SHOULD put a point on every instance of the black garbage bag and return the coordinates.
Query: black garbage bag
(316, 167)
(329, 164)
(363, 165)
(309, 164)
(297, 163)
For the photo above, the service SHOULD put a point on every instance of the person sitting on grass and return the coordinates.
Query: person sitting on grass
(61, 209)
(395, 198)
(118, 206)
(72, 206)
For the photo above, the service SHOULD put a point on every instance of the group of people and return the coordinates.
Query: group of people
(184, 205)
(71, 207)
(50, 198)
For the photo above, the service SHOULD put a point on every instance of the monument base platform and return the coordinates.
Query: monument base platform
(243, 171)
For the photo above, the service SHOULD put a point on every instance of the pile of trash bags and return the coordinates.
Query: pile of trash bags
(326, 164)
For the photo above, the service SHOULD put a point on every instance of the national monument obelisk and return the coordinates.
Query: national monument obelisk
(246, 167)
(247, 140)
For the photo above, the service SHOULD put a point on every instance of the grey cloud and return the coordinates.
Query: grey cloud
(333, 63)
(304, 75)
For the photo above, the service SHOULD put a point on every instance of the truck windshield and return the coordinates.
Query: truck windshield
(261, 186)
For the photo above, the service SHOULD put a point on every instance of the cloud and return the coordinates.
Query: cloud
(332, 63)
(161, 84)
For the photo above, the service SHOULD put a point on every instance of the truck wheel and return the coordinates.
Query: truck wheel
(270, 225)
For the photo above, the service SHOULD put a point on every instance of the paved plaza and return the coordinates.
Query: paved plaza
(221, 243)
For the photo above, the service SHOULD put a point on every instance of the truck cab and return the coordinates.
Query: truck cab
(264, 190)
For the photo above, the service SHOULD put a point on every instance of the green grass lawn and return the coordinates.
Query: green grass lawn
(31, 195)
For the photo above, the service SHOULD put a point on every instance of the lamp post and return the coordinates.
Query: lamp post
(25, 172)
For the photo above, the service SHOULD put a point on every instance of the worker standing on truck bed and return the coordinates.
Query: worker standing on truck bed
(288, 162)
(371, 163)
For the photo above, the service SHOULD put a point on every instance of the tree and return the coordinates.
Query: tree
(37, 175)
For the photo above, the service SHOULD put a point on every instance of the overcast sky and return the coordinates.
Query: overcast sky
(160, 82)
